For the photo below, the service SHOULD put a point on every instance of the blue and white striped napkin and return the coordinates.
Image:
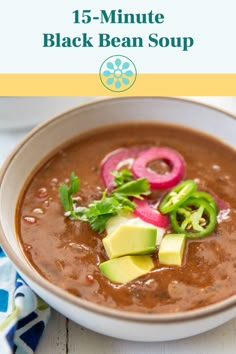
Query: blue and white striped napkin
(23, 315)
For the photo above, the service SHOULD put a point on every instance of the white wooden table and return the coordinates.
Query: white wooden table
(62, 336)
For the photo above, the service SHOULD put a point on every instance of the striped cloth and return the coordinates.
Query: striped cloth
(23, 315)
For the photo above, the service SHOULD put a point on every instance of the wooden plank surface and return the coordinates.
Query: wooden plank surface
(66, 337)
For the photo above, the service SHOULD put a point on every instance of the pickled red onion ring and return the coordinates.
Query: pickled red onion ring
(156, 180)
(115, 160)
(145, 212)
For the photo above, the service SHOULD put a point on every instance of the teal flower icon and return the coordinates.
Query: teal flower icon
(118, 73)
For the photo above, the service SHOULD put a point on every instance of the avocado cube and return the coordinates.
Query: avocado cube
(172, 249)
(115, 222)
(130, 239)
(127, 268)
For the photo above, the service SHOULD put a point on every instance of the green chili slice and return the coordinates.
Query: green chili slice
(207, 197)
(195, 218)
(177, 196)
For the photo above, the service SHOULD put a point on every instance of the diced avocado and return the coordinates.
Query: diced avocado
(130, 219)
(139, 222)
(130, 239)
(115, 222)
(172, 249)
(127, 268)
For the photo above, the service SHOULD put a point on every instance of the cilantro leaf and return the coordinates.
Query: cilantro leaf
(100, 211)
(98, 222)
(67, 192)
(74, 184)
(122, 176)
(64, 194)
(79, 213)
(125, 202)
(106, 205)
(135, 188)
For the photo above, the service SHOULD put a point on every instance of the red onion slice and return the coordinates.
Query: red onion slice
(156, 180)
(115, 160)
(150, 215)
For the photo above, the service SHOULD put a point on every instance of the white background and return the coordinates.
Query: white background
(210, 22)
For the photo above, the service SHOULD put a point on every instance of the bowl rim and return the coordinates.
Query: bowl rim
(34, 276)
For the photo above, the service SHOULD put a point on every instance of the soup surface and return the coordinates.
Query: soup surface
(68, 253)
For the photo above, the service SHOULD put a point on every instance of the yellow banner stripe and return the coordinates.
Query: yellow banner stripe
(90, 85)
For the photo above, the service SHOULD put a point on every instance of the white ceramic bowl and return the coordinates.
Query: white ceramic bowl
(50, 135)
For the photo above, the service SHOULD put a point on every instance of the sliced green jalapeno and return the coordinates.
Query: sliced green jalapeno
(207, 197)
(195, 218)
(177, 196)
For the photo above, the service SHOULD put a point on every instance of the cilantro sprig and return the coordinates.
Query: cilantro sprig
(100, 211)
(135, 188)
(67, 192)
(123, 176)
